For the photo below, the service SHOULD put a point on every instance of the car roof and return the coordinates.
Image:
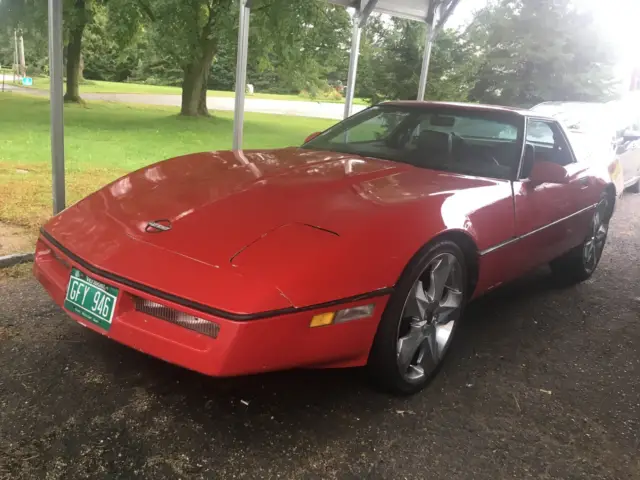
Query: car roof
(560, 103)
(468, 106)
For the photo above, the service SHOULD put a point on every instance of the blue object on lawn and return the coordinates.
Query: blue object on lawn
(27, 81)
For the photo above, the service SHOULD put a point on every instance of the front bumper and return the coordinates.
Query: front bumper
(241, 347)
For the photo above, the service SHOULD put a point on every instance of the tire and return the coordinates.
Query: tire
(578, 264)
(426, 321)
(635, 188)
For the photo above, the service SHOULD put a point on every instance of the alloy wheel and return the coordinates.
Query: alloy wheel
(594, 245)
(430, 313)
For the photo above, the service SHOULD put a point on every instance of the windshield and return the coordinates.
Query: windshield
(453, 139)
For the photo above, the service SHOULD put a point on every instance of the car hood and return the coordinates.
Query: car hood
(243, 214)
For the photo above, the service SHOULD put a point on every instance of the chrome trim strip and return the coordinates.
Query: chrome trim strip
(499, 245)
(532, 232)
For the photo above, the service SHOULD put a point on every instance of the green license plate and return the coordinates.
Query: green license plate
(91, 299)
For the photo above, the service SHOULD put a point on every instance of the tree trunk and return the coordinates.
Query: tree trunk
(202, 100)
(74, 56)
(194, 85)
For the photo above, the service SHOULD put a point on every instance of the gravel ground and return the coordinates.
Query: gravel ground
(541, 382)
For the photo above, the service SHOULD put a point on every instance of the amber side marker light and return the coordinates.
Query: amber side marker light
(613, 166)
(341, 316)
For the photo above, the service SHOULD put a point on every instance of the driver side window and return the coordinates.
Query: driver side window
(549, 142)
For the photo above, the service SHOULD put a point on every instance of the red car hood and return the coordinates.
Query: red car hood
(235, 217)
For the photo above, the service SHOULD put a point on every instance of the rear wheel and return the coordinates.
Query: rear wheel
(579, 264)
(419, 322)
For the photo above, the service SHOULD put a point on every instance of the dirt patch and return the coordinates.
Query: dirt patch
(20, 271)
(15, 239)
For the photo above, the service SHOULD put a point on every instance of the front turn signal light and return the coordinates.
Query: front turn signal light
(322, 319)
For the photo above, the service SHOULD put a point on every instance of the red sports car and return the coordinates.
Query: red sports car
(361, 247)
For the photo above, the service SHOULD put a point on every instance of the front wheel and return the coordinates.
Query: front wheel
(635, 188)
(420, 319)
(579, 264)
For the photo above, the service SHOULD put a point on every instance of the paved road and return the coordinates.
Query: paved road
(541, 382)
(258, 105)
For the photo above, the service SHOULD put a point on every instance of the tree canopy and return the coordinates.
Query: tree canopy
(514, 52)
(532, 51)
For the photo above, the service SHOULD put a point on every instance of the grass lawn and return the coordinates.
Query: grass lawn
(95, 86)
(104, 141)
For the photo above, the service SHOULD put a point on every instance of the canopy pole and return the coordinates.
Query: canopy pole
(426, 59)
(353, 65)
(57, 102)
(241, 73)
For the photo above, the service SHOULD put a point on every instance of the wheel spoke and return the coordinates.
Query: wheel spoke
(450, 304)
(599, 243)
(433, 348)
(409, 344)
(438, 278)
(452, 299)
(588, 249)
(601, 234)
(417, 304)
(591, 260)
(443, 334)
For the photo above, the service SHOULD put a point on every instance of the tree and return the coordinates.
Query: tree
(25, 16)
(397, 61)
(536, 50)
(193, 32)
(31, 16)
(303, 42)
(188, 32)
(79, 14)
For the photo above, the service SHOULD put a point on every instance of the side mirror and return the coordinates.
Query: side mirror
(547, 172)
(312, 136)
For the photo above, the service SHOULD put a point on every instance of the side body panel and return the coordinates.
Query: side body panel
(553, 218)
(629, 157)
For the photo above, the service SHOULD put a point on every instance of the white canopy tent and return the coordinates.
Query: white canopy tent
(420, 10)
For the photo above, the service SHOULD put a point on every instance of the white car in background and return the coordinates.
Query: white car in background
(604, 133)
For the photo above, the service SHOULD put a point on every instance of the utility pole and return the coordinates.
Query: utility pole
(14, 67)
(23, 65)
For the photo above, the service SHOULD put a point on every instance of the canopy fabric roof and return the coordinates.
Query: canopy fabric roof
(409, 9)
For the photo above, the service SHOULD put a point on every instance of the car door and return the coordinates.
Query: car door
(551, 218)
